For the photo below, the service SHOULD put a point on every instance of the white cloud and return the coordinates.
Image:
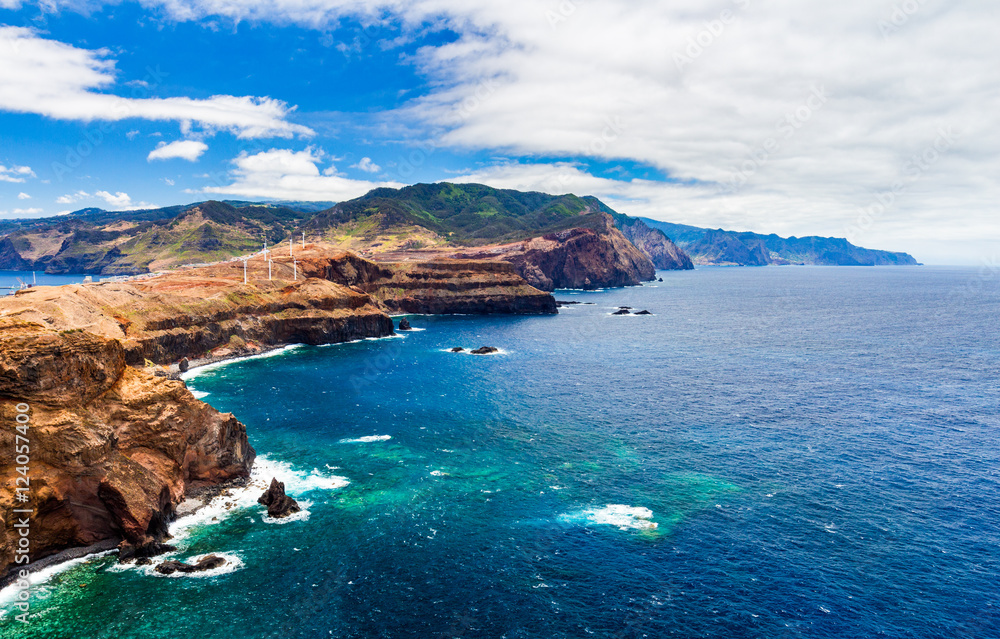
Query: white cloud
(15, 174)
(189, 150)
(23, 196)
(64, 82)
(71, 198)
(21, 213)
(367, 166)
(703, 92)
(122, 201)
(168, 181)
(286, 174)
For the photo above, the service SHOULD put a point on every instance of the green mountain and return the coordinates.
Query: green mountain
(719, 247)
(129, 242)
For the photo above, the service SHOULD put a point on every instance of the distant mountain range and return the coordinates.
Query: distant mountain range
(424, 217)
(733, 248)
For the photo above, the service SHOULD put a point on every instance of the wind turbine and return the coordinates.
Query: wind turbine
(244, 268)
(303, 239)
(295, 269)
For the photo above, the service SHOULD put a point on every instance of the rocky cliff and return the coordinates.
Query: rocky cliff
(584, 258)
(664, 254)
(112, 449)
(114, 444)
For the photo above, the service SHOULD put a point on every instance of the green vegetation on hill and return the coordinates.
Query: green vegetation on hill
(465, 214)
(109, 243)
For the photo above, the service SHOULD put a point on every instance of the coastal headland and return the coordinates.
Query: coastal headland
(115, 442)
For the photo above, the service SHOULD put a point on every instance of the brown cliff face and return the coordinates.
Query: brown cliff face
(453, 286)
(112, 449)
(661, 250)
(576, 258)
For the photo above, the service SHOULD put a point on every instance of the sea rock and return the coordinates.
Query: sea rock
(278, 503)
(660, 280)
(140, 553)
(621, 311)
(626, 308)
(183, 365)
(205, 563)
(404, 325)
(485, 350)
(457, 349)
(643, 313)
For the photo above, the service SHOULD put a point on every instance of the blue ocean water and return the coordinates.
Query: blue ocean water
(775, 452)
(11, 280)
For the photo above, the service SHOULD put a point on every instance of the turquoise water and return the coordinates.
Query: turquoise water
(10, 280)
(776, 452)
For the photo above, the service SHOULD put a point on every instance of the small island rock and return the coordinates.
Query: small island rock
(485, 350)
(205, 563)
(278, 503)
(457, 349)
(621, 311)
(643, 313)
(404, 325)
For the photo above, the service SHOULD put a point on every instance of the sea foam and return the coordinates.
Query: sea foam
(619, 515)
(366, 440)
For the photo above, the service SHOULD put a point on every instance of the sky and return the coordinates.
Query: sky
(875, 120)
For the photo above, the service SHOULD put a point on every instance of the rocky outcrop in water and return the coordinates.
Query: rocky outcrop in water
(278, 503)
(211, 562)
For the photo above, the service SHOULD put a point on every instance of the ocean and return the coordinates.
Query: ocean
(774, 452)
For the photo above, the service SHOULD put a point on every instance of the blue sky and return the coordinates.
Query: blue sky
(871, 120)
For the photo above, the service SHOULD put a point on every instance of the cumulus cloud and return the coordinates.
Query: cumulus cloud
(367, 166)
(770, 114)
(122, 201)
(290, 175)
(64, 82)
(15, 174)
(21, 213)
(72, 198)
(189, 150)
(23, 196)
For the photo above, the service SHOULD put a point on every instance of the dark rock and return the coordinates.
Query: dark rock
(206, 563)
(142, 551)
(183, 365)
(485, 350)
(660, 280)
(278, 503)
(626, 308)
(643, 313)
(565, 303)
(404, 325)
(160, 373)
(622, 311)
(457, 349)
(143, 561)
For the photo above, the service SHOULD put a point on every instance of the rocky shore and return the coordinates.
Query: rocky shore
(115, 444)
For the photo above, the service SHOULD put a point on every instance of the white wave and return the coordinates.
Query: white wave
(296, 482)
(440, 473)
(233, 563)
(38, 580)
(619, 515)
(302, 515)
(367, 439)
(199, 370)
(199, 394)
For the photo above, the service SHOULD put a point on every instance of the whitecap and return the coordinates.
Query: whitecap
(200, 394)
(302, 515)
(367, 439)
(297, 482)
(9, 594)
(440, 473)
(199, 370)
(619, 515)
